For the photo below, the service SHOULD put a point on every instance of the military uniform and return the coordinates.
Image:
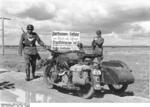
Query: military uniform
(28, 46)
(97, 46)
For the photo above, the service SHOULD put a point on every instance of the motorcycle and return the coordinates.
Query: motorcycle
(88, 76)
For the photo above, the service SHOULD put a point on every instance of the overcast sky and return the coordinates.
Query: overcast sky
(123, 22)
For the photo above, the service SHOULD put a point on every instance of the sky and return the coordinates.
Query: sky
(122, 22)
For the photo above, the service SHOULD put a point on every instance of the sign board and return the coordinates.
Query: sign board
(65, 40)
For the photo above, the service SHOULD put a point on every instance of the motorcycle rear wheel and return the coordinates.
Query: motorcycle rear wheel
(118, 88)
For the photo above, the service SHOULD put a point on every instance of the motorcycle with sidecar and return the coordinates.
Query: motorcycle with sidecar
(88, 76)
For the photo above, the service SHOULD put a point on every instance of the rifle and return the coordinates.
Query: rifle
(22, 30)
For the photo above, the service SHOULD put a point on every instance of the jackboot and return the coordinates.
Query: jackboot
(33, 66)
(27, 75)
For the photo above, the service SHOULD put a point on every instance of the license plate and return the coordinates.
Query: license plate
(96, 72)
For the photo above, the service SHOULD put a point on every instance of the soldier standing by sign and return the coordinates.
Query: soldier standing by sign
(28, 45)
(97, 46)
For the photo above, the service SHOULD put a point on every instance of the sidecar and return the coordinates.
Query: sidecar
(117, 75)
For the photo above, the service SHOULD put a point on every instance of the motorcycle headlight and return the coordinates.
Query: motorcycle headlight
(96, 72)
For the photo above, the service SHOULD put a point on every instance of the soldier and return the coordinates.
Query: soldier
(28, 45)
(97, 46)
(81, 52)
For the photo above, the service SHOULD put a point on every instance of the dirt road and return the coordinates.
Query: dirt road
(13, 88)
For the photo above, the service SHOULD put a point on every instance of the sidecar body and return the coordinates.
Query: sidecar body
(116, 72)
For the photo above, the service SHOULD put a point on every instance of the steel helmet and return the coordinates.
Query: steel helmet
(30, 27)
(80, 45)
(98, 32)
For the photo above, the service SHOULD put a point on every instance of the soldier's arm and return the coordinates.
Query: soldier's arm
(21, 45)
(100, 41)
(40, 42)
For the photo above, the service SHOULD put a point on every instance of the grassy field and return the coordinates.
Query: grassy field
(137, 58)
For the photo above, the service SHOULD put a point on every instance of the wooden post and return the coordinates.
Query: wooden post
(3, 45)
(3, 51)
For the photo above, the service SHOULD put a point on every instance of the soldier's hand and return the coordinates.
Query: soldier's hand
(48, 47)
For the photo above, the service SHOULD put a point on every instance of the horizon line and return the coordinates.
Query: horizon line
(90, 46)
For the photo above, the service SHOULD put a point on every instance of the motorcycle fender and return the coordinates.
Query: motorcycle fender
(42, 63)
(113, 75)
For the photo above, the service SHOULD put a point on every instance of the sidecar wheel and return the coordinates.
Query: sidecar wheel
(86, 91)
(47, 77)
(118, 88)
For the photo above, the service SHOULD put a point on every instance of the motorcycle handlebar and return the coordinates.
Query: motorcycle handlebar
(54, 51)
(58, 52)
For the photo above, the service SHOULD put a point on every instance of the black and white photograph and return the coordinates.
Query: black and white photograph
(74, 51)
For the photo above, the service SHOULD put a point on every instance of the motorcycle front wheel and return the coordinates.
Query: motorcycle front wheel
(48, 79)
(118, 88)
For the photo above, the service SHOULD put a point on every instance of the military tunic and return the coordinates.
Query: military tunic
(28, 43)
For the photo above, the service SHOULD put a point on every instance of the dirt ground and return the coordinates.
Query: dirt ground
(14, 88)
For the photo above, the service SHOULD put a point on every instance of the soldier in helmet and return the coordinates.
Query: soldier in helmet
(81, 52)
(28, 46)
(97, 46)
